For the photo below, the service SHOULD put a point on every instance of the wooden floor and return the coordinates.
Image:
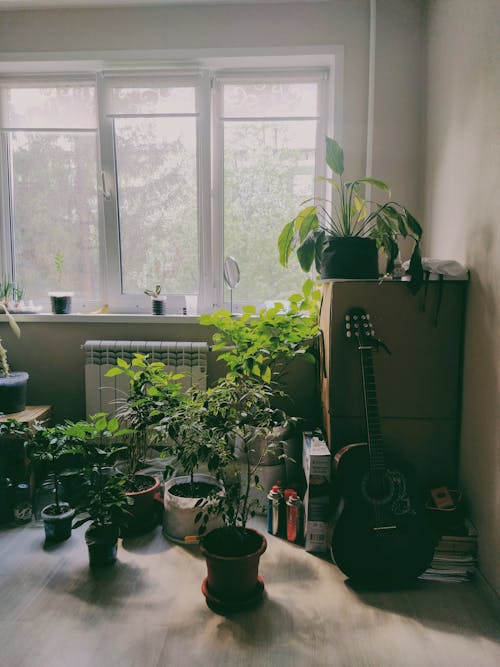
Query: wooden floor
(148, 610)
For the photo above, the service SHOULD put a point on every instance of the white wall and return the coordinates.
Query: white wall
(463, 222)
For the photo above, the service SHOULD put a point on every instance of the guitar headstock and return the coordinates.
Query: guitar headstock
(359, 326)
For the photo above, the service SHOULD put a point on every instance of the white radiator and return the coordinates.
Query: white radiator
(102, 393)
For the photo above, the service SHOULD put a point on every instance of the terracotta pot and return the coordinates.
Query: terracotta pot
(354, 257)
(143, 513)
(232, 580)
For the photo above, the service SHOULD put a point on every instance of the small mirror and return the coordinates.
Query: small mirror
(231, 272)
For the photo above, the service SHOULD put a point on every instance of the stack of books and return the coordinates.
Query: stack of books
(455, 556)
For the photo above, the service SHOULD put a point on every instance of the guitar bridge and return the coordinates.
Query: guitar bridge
(385, 528)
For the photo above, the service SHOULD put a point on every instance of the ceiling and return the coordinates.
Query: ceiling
(46, 4)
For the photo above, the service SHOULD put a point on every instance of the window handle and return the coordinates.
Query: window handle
(105, 192)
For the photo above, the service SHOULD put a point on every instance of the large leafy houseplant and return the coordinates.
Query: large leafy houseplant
(348, 215)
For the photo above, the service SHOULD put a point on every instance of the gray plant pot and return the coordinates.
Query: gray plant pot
(13, 391)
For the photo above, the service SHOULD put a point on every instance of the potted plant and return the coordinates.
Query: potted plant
(341, 235)
(104, 500)
(262, 344)
(60, 300)
(157, 300)
(46, 446)
(159, 414)
(233, 551)
(13, 384)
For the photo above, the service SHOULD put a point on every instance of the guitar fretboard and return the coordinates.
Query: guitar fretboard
(374, 432)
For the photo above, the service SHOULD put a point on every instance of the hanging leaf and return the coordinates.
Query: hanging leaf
(334, 156)
(285, 243)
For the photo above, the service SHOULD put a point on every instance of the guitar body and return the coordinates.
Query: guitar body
(381, 536)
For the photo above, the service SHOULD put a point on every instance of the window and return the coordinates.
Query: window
(154, 178)
(50, 160)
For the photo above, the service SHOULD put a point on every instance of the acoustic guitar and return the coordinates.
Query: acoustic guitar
(381, 536)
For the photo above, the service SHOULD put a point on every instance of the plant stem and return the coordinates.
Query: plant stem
(3, 361)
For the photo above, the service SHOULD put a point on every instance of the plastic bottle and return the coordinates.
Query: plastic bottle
(23, 512)
(275, 511)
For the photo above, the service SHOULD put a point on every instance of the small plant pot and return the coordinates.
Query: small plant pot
(179, 512)
(354, 257)
(13, 391)
(143, 514)
(57, 526)
(60, 302)
(233, 557)
(102, 543)
(158, 305)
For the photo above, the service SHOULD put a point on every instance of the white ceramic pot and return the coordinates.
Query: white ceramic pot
(179, 512)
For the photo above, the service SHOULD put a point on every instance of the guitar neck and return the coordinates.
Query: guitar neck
(373, 429)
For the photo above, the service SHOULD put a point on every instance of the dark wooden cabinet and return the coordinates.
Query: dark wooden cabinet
(418, 383)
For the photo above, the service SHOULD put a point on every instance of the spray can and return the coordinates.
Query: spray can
(274, 510)
(23, 511)
(294, 517)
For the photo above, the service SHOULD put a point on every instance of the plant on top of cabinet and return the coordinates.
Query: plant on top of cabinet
(340, 236)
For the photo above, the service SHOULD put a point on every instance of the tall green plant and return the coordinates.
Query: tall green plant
(261, 344)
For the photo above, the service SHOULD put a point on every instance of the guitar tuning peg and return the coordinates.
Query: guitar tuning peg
(348, 334)
(347, 326)
(367, 316)
(347, 318)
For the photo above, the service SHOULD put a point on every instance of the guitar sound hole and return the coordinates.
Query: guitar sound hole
(377, 488)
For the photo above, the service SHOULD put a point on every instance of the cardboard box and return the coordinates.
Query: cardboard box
(316, 462)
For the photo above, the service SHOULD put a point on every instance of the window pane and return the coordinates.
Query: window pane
(150, 100)
(268, 172)
(157, 194)
(258, 100)
(61, 106)
(54, 209)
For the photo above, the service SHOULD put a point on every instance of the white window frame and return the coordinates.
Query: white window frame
(313, 75)
(328, 68)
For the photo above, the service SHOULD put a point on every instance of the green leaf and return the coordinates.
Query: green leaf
(266, 376)
(306, 253)
(413, 225)
(113, 371)
(121, 363)
(308, 224)
(285, 243)
(375, 182)
(334, 156)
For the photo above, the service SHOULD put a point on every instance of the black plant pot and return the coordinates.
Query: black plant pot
(102, 543)
(13, 392)
(61, 303)
(57, 526)
(354, 257)
(158, 306)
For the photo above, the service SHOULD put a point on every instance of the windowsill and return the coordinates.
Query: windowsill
(109, 318)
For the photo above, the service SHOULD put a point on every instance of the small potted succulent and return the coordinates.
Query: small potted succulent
(157, 300)
(341, 236)
(60, 300)
(104, 502)
(46, 447)
(13, 384)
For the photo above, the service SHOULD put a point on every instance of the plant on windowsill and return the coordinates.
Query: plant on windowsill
(341, 236)
(46, 447)
(157, 300)
(99, 441)
(13, 384)
(60, 300)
